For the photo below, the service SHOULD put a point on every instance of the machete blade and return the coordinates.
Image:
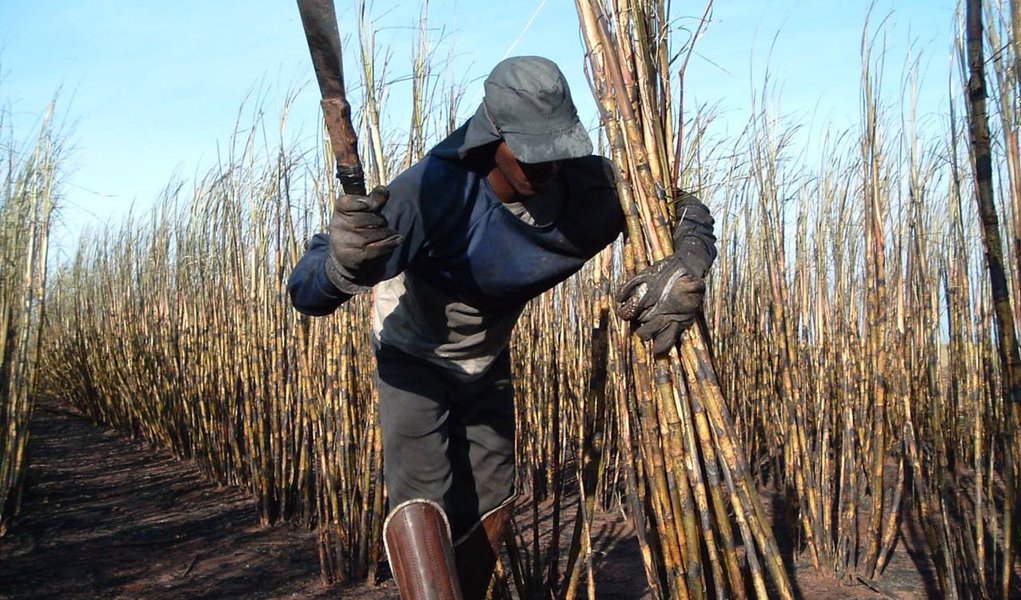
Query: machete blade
(319, 19)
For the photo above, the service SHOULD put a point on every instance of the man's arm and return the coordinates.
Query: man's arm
(352, 258)
(312, 293)
(349, 260)
(372, 238)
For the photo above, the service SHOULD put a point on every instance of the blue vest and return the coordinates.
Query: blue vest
(459, 237)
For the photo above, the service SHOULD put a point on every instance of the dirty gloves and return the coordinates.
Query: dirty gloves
(361, 241)
(663, 301)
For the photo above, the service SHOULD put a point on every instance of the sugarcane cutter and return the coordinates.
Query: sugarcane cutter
(319, 19)
(416, 534)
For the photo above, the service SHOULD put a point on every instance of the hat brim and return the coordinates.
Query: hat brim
(570, 143)
(480, 131)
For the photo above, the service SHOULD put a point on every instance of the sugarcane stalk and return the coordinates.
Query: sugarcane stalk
(1008, 348)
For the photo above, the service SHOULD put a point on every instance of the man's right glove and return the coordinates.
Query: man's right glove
(361, 241)
(662, 301)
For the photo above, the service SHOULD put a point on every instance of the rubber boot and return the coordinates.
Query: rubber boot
(416, 536)
(476, 552)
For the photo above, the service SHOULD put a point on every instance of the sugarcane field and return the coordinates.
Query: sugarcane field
(611, 299)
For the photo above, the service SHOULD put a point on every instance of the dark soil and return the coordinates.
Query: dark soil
(106, 517)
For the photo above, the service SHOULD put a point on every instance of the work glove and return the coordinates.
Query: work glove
(361, 241)
(662, 301)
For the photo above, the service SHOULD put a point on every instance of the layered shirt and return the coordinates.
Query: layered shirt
(453, 290)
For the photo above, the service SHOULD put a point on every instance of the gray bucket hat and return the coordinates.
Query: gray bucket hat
(528, 104)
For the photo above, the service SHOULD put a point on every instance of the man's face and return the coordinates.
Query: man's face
(525, 178)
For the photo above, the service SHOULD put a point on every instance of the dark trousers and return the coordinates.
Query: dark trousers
(445, 440)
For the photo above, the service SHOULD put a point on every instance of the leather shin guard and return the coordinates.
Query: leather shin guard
(476, 552)
(416, 536)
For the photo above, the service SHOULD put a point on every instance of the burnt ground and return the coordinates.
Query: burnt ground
(107, 517)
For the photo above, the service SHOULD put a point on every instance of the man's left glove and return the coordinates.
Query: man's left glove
(361, 241)
(663, 301)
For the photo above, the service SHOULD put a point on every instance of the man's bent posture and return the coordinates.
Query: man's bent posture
(506, 207)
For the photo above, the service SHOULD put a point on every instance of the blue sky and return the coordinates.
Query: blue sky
(149, 89)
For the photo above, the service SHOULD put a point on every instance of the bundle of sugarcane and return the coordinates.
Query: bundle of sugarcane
(694, 472)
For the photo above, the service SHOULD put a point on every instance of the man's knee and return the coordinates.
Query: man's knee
(414, 421)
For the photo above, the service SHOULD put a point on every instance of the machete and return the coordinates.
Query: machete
(319, 18)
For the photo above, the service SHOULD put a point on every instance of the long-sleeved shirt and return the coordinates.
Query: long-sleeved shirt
(453, 290)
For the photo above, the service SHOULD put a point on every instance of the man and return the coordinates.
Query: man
(506, 207)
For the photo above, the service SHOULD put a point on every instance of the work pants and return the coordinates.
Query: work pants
(446, 440)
